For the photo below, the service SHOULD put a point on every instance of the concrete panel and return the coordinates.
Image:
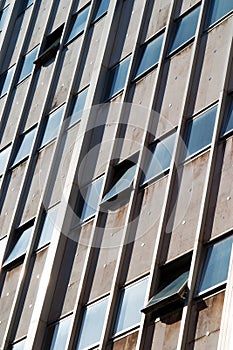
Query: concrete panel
(108, 254)
(187, 4)
(158, 17)
(61, 14)
(38, 182)
(10, 198)
(69, 59)
(166, 335)
(7, 297)
(150, 203)
(31, 294)
(184, 211)
(127, 343)
(82, 3)
(172, 94)
(15, 111)
(211, 78)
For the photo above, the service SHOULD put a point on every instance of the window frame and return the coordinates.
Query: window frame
(10, 70)
(24, 77)
(74, 17)
(80, 94)
(209, 24)
(97, 16)
(21, 138)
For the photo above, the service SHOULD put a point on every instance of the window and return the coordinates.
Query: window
(150, 55)
(102, 8)
(229, 123)
(4, 155)
(117, 78)
(60, 334)
(216, 264)
(5, 80)
(92, 324)
(88, 203)
(162, 151)
(28, 63)
(52, 126)
(3, 15)
(51, 46)
(28, 3)
(200, 132)
(79, 22)
(20, 345)
(23, 236)
(219, 9)
(185, 29)
(131, 303)
(48, 227)
(25, 146)
(78, 107)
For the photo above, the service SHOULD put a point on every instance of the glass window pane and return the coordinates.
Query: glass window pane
(60, 334)
(2, 247)
(219, 9)
(48, 226)
(103, 7)
(201, 131)
(28, 63)
(5, 80)
(21, 245)
(3, 15)
(229, 124)
(79, 23)
(216, 264)
(4, 155)
(92, 324)
(78, 107)
(117, 77)
(122, 184)
(161, 158)
(91, 197)
(25, 147)
(132, 301)
(52, 126)
(150, 55)
(19, 346)
(186, 28)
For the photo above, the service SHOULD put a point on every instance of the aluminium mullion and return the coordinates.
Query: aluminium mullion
(203, 214)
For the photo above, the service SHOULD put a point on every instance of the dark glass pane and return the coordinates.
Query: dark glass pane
(201, 131)
(132, 302)
(79, 23)
(229, 125)
(122, 184)
(78, 107)
(186, 28)
(91, 196)
(117, 77)
(60, 335)
(28, 63)
(5, 80)
(3, 15)
(48, 227)
(3, 159)
(161, 158)
(150, 55)
(103, 7)
(219, 9)
(52, 126)
(25, 147)
(216, 265)
(92, 324)
(21, 246)
(19, 346)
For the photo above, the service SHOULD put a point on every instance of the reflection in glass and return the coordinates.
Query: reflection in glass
(3, 158)
(219, 9)
(26, 145)
(79, 23)
(60, 334)
(5, 80)
(52, 126)
(78, 107)
(91, 195)
(28, 63)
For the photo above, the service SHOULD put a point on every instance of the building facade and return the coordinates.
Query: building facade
(116, 164)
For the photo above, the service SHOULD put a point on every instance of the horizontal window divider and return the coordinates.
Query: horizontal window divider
(207, 29)
(211, 291)
(146, 72)
(181, 48)
(155, 178)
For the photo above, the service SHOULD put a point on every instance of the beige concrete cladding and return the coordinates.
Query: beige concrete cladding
(154, 230)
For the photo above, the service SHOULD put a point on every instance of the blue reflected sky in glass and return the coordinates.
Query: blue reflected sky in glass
(52, 126)
(216, 264)
(28, 63)
(19, 346)
(7, 80)
(186, 28)
(117, 78)
(91, 195)
(103, 7)
(229, 124)
(79, 23)
(3, 15)
(48, 226)
(25, 147)
(92, 324)
(200, 131)
(150, 55)
(132, 301)
(78, 107)
(4, 155)
(60, 334)
(219, 9)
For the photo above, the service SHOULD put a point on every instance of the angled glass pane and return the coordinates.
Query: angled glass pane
(60, 334)
(92, 324)
(219, 9)
(91, 195)
(117, 78)
(78, 107)
(229, 124)
(25, 147)
(161, 158)
(52, 126)
(122, 184)
(132, 301)
(28, 63)
(20, 345)
(3, 15)
(186, 28)
(216, 265)
(48, 226)
(2, 247)
(103, 7)
(20, 246)
(150, 55)
(200, 131)
(79, 23)
(4, 155)
(5, 80)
